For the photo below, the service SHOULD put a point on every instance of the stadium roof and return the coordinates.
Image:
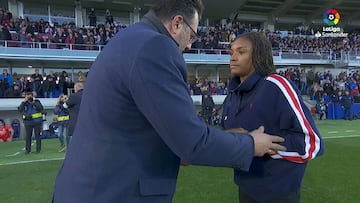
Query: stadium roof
(309, 12)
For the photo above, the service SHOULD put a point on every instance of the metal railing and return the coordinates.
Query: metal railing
(334, 57)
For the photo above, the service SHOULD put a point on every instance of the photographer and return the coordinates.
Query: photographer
(63, 121)
(31, 110)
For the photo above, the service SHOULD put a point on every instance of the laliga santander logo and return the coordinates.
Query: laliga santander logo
(331, 17)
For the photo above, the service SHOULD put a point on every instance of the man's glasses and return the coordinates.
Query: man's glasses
(192, 38)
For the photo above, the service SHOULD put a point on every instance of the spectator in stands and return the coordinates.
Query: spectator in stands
(73, 105)
(23, 38)
(79, 41)
(59, 37)
(124, 127)
(355, 91)
(346, 102)
(6, 132)
(4, 35)
(63, 82)
(208, 107)
(70, 40)
(13, 92)
(260, 97)
(303, 81)
(92, 17)
(31, 110)
(36, 82)
(337, 98)
(63, 118)
(7, 79)
(109, 18)
(49, 85)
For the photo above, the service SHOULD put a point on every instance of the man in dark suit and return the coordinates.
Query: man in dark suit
(137, 120)
(73, 104)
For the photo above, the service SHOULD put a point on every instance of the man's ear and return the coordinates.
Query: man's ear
(175, 24)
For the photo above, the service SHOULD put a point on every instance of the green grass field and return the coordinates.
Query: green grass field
(332, 178)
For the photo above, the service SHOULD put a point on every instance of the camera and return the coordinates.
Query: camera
(30, 99)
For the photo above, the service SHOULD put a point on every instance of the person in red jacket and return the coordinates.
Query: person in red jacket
(6, 132)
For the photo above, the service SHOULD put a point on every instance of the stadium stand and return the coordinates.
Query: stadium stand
(294, 50)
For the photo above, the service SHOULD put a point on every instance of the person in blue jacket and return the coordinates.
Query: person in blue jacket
(258, 96)
(137, 120)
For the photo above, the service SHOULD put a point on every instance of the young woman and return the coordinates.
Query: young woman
(259, 97)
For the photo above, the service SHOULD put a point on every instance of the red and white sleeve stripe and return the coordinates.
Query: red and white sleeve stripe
(312, 140)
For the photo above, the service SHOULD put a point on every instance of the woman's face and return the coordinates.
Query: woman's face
(241, 58)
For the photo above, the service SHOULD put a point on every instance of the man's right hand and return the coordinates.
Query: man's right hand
(266, 144)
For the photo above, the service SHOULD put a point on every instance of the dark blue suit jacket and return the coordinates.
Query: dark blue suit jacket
(73, 104)
(136, 121)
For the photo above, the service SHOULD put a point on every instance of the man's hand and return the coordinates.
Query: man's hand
(266, 144)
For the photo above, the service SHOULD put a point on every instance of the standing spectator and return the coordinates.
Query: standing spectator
(6, 132)
(134, 136)
(36, 82)
(4, 35)
(109, 18)
(63, 84)
(79, 41)
(63, 122)
(6, 79)
(346, 102)
(49, 85)
(207, 107)
(303, 81)
(92, 17)
(31, 110)
(73, 104)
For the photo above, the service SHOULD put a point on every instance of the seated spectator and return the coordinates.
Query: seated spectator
(53, 130)
(6, 132)
(13, 92)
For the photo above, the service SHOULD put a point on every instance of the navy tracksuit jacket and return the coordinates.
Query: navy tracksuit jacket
(272, 102)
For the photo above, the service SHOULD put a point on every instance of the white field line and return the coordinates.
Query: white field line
(30, 161)
(15, 154)
(333, 132)
(338, 137)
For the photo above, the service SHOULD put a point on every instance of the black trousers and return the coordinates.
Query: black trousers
(293, 197)
(29, 127)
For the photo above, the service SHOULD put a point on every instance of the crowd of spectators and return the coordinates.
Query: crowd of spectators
(326, 88)
(25, 33)
(217, 37)
(49, 85)
(317, 85)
